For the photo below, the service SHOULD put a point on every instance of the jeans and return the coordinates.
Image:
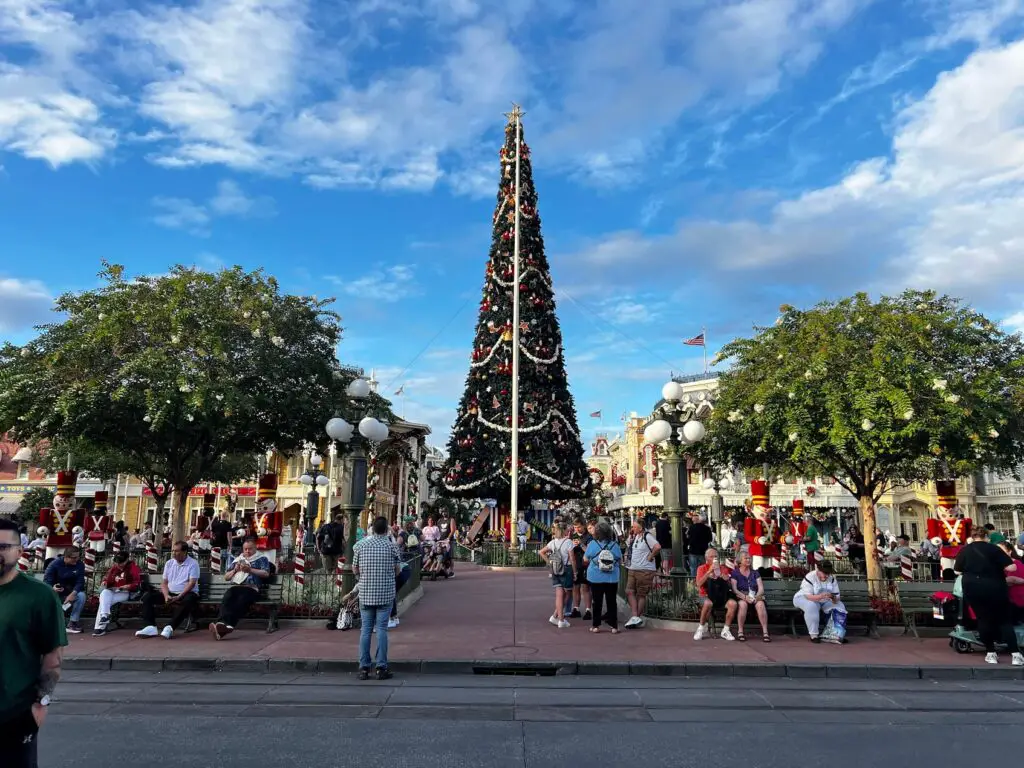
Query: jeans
(77, 607)
(693, 563)
(373, 617)
(236, 604)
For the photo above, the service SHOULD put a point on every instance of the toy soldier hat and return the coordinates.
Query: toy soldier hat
(798, 507)
(209, 499)
(67, 480)
(268, 486)
(100, 502)
(946, 491)
(759, 492)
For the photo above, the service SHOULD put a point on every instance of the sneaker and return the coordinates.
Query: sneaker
(383, 673)
(574, 613)
(364, 674)
(563, 624)
(553, 620)
(588, 616)
(149, 631)
(815, 639)
(633, 622)
(74, 628)
(168, 633)
(392, 623)
(727, 634)
(701, 633)
(1018, 660)
(991, 658)
(99, 632)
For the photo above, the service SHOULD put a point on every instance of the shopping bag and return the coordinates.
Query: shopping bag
(835, 630)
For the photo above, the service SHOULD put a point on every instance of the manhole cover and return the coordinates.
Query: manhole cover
(514, 649)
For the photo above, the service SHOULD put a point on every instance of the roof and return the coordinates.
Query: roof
(9, 505)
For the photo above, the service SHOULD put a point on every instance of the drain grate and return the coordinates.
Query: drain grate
(521, 670)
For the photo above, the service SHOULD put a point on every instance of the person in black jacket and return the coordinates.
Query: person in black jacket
(983, 566)
(330, 540)
(66, 574)
(663, 533)
(698, 539)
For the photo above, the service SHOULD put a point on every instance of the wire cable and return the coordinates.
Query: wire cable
(429, 344)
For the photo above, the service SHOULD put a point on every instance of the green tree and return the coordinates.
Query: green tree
(173, 373)
(480, 450)
(31, 503)
(874, 394)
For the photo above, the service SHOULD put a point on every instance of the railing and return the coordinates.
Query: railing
(497, 554)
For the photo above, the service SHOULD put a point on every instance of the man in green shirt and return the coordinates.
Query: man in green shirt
(32, 640)
(812, 543)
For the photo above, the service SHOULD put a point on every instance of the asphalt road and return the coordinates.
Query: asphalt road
(103, 719)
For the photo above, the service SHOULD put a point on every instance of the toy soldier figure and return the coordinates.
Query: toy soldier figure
(760, 531)
(269, 520)
(797, 527)
(97, 524)
(62, 518)
(205, 520)
(949, 530)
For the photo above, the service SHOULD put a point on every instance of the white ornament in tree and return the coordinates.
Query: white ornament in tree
(951, 398)
(867, 425)
(793, 436)
(808, 374)
(939, 384)
(792, 395)
(908, 414)
(993, 433)
(758, 408)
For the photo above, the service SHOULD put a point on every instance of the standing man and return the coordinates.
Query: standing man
(330, 540)
(220, 531)
(376, 564)
(698, 539)
(643, 548)
(32, 638)
(522, 531)
(663, 533)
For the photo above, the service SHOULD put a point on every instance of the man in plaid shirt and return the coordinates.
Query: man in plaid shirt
(376, 563)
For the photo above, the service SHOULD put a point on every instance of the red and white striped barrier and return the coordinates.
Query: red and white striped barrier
(300, 568)
(906, 568)
(216, 564)
(152, 560)
(90, 562)
(117, 547)
(785, 551)
(730, 563)
(338, 575)
(24, 563)
(40, 557)
(776, 569)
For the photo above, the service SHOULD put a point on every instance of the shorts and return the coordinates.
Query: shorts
(581, 578)
(564, 581)
(639, 582)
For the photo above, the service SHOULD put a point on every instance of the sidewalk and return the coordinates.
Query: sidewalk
(488, 617)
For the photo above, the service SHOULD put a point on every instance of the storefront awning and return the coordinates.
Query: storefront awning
(9, 506)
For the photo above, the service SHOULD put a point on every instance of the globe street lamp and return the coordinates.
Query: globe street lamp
(679, 429)
(314, 479)
(717, 484)
(370, 430)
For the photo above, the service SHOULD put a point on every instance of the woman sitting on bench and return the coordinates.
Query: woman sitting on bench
(248, 572)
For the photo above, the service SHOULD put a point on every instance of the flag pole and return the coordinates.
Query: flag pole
(704, 346)
(514, 474)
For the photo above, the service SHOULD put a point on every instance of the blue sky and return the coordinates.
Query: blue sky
(698, 163)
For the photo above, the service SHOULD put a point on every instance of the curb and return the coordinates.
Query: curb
(546, 668)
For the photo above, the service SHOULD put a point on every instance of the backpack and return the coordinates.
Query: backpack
(647, 543)
(556, 559)
(605, 560)
(327, 539)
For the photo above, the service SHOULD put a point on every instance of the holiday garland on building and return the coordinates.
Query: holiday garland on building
(550, 450)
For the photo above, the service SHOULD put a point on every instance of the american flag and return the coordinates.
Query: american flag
(696, 341)
(595, 415)
(400, 390)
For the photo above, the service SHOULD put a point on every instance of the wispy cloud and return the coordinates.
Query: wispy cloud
(23, 304)
(387, 284)
(197, 217)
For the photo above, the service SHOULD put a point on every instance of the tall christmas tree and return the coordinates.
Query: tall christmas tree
(550, 460)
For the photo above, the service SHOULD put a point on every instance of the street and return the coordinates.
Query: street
(235, 720)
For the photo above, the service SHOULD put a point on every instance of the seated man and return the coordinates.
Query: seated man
(66, 574)
(248, 572)
(819, 592)
(123, 579)
(179, 587)
(713, 583)
(902, 549)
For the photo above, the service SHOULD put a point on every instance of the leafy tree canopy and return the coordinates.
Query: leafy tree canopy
(873, 394)
(30, 504)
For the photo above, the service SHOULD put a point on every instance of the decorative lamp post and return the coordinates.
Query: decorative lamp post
(370, 431)
(717, 484)
(676, 427)
(314, 479)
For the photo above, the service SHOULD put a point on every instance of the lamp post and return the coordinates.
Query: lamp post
(370, 431)
(717, 484)
(314, 479)
(679, 429)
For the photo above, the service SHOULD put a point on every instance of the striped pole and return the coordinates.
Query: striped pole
(215, 562)
(90, 561)
(776, 568)
(300, 568)
(906, 568)
(338, 578)
(785, 550)
(152, 561)
(117, 547)
(24, 563)
(40, 557)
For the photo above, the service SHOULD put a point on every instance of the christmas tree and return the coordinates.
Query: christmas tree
(550, 450)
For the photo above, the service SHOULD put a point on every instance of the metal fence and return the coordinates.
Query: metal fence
(497, 554)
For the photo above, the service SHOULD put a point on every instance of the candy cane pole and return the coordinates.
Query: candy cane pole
(23, 563)
(906, 568)
(90, 562)
(152, 561)
(300, 568)
(117, 547)
(40, 557)
(215, 562)
(338, 575)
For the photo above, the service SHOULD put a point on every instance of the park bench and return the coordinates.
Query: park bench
(915, 599)
(778, 595)
(154, 580)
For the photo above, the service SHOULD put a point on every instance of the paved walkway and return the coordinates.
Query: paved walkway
(487, 615)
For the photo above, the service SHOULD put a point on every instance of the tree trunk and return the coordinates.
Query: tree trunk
(180, 526)
(158, 518)
(874, 567)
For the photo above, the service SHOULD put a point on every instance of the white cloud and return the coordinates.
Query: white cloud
(943, 210)
(1015, 322)
(23, 304)
(387, 284)
(196, 217)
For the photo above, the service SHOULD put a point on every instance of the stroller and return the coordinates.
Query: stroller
(437, 559)
(964, 638)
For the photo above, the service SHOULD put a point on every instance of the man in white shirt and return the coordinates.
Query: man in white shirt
(522, 528)
(819, 591)
(643, 548)
(179, 587)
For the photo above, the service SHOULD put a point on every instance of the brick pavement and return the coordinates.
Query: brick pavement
(490, 615)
